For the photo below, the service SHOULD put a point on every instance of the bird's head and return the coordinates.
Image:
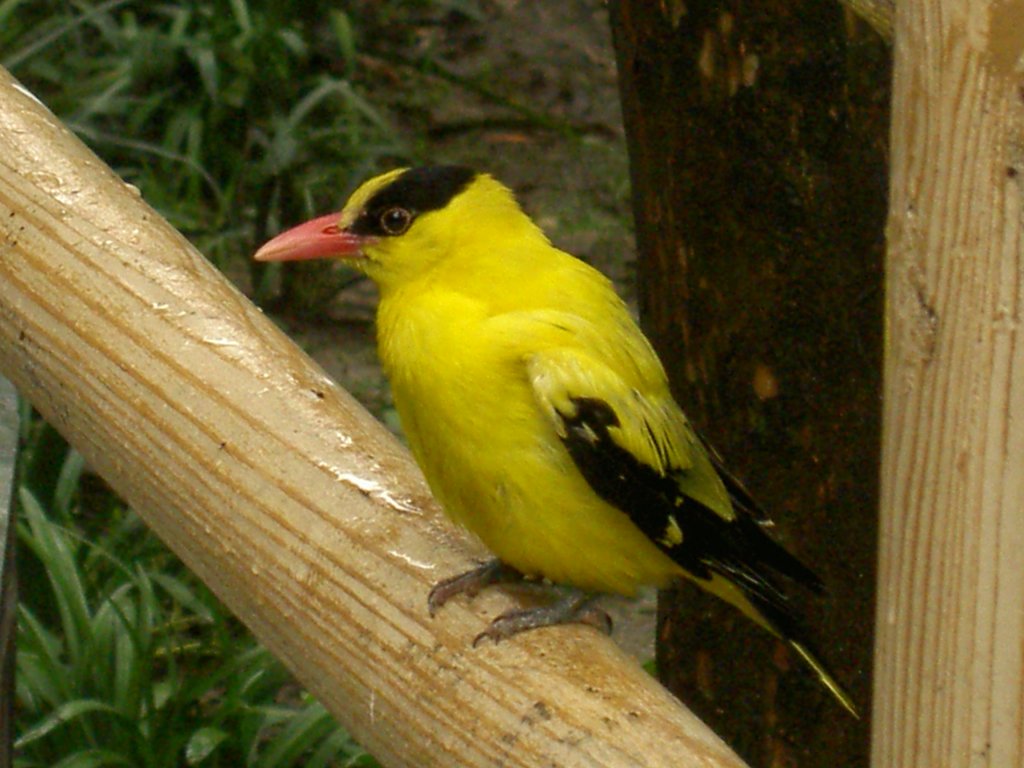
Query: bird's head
(402, 224)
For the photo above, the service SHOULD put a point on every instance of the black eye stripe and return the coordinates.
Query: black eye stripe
(417, 191)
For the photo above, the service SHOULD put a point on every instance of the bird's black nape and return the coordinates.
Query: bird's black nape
(418, 190)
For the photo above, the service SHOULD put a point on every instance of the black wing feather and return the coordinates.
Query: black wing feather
(737, 549)
(780, 558)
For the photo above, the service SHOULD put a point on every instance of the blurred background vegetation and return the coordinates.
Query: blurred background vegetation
(236, 118)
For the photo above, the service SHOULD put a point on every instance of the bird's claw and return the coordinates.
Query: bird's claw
(574, 611)
(470, 583)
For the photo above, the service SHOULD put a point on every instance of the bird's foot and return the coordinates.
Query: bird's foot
(471, 582)
(575, 608)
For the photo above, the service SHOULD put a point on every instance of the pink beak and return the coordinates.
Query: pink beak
(317, 239)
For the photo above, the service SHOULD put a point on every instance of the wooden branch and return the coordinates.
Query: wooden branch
(293, 504)
(949, 663)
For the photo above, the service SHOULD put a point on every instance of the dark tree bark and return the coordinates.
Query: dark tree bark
(757, 135)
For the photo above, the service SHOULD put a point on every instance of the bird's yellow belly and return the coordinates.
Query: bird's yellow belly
(493, 459)
(498, 468)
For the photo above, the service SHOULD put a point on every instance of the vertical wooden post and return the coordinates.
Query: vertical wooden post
(949, 664)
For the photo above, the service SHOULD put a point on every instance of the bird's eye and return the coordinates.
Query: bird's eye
(395, 221)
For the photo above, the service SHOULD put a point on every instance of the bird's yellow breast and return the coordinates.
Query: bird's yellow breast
(492, 458)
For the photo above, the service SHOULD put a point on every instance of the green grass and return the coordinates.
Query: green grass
(125, 659)
(230, 116)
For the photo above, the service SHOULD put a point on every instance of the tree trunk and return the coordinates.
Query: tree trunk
(950, 654)
(757, 135)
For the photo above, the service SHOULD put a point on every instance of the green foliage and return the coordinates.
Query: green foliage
(124, 659)
(230, 116)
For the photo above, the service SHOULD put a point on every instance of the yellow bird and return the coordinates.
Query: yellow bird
(540, 414)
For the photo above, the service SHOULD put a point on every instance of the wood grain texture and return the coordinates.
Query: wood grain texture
(292, 503)
(949, 680)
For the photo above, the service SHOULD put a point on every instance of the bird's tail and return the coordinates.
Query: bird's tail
(763, 601)
(780, 617)
(824, 676)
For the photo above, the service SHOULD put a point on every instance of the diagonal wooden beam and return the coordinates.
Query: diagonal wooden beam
(280, 491)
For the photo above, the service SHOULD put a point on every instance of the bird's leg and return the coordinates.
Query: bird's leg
(471, 582)
(575, 608)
